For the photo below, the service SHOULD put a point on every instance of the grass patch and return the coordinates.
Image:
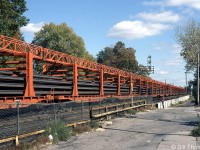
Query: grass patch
(142, 109)
(82, 128)
(191, 98)
(24, 146)
(180, 102)
(94, 125)
(59, 132)
(196, 131)
(131, 111)
(86, 127)
(34, 144)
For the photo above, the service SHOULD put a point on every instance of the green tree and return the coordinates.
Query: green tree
(104, 57)
(11, 17)
(120, 57)
(188, 37)
(61, 38)
(89, 56)
(11, 20)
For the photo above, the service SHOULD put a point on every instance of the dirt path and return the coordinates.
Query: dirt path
(144, 132)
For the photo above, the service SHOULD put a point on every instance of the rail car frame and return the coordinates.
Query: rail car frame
(28, 53)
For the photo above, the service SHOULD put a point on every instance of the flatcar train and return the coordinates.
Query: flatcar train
(33, 74)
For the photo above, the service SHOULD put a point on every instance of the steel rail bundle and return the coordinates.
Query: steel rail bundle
(66, 77)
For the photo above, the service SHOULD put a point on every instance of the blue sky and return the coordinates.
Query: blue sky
(147, 26)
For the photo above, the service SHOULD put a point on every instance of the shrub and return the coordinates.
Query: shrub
(196, 131)
(131, 111)
(94, 124)
(59, 131)
(24, 146)
(82, 128)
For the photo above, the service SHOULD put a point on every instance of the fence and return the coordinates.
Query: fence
(21, 120)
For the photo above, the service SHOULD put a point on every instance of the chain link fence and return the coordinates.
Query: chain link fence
(20, 118)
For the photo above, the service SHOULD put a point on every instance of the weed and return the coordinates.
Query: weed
(191, 98)
(82, 128)
(24, 146)
(196, 131)
(180, 102)
(142, 109)
(131, 111)
(59, 132)
(94, 124)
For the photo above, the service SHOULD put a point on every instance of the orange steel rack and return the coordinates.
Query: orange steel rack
(112, 82)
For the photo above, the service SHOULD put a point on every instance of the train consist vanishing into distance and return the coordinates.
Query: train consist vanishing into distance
(33, 74)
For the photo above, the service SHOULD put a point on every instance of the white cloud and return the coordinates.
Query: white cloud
(32, 28)
(166, 16)
(163, 72)
(158, 48)
(153, 3)
(161, 46)
(189, 3)
(180, 81)
(175, 62)
(136, 29)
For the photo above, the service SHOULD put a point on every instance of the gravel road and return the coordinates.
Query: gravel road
(144, 131)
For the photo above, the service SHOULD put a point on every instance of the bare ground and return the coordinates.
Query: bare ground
(144, 131)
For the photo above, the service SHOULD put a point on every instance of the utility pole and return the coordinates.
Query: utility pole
(186, 82)
(149, 66)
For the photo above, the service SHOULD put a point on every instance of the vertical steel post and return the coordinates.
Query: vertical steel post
(90, 111)
(131, 101)
(81, 110)
(147, 88)
(17, 118)
(29, 74)
(156, 91)
(54, 113)
(101, 82)
(186, 82)
(118, 86)
(140, 88)
(75, 80)
(17, 136)
(131, 87)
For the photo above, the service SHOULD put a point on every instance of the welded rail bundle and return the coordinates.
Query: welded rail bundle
(66, 77)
